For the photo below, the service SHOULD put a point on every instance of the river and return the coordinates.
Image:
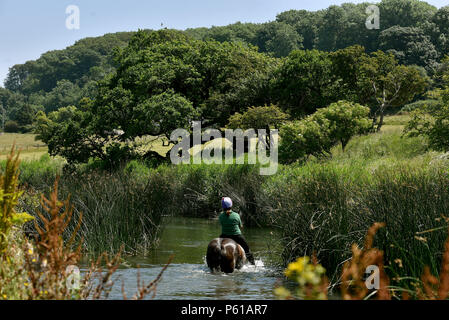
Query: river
(188, 277)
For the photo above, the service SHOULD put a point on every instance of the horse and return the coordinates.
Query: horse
(225, 255)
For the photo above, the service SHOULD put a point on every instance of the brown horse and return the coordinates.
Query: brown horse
(225, 255)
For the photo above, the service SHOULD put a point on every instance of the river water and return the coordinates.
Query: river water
(188, 277)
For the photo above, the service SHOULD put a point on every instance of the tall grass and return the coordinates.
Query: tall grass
(39, 173)
(117, 210)
(323, 209)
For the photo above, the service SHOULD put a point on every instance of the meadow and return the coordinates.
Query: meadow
(30, 148)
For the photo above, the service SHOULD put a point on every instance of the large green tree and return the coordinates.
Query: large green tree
(376, 80)
(410, 46)
(164, 80)
(405, 13)
(384, 84)
(304, 82)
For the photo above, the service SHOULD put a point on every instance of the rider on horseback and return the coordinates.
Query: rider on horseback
(231, 224)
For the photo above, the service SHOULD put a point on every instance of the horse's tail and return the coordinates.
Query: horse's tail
(228, 251)
(213, 256)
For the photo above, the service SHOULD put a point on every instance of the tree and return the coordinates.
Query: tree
(258, 118)
(346, 70)
(410, 46)
(11, 126)
(164, 80)
(441, 20)
(207, 73)
(64, 94)
(432, 123)
(24, 116)
(405, 13)
(237, 32)
(440, 73)
(67, 133)
(383, 84)
(376, 80)
(432, 120)
(305, 23)
(344, 120)
(304, 82)
(278, 38)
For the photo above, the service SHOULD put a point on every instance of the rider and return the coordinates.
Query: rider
(230, 226)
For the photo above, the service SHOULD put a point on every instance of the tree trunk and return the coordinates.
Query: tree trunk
(381, 121)
(344, 143)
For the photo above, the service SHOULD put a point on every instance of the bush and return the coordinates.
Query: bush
(431, 123)
(317, 133)
(300, 139)
(258, 118)
(418, 105)
(12, 127)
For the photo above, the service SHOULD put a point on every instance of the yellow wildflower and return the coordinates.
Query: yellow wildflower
(282, 293)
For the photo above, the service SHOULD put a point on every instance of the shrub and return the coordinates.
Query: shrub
(300, 139)
(344, 120)
(316, 134)
(258, 118)
(431, 123)
(418, 105)
(12, 126)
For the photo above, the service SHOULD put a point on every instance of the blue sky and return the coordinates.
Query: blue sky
(30, 28)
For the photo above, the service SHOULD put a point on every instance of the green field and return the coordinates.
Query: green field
(30, 149)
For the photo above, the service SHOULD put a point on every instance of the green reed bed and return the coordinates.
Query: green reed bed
(117, 210)
(324, 208)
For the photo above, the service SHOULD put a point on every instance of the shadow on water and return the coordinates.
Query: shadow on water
(188, 276)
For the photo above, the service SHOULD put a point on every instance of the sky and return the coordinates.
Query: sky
(31, 28)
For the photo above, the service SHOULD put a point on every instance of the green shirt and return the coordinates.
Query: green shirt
(230, 224)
